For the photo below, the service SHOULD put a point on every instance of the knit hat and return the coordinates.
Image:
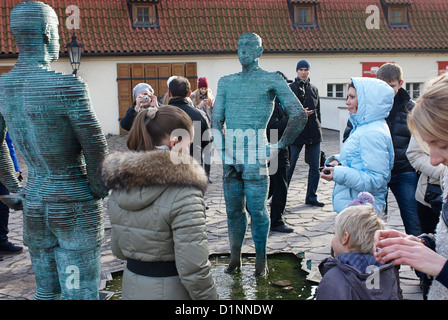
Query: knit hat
(142, 87)
(363, 198)
(303, 64)
(202, 82)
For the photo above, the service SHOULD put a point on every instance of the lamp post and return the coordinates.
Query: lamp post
(74, 53)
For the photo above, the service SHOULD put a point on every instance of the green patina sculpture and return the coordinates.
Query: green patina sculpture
(244, 104)
(53, 126)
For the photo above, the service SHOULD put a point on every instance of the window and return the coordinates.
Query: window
(336, 90)
(303, 14)
(414, 89)
(144, 15)
(397, 16)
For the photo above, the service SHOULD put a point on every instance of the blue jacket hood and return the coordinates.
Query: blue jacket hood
(375, 100)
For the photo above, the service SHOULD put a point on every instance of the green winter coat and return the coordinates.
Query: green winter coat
(157, 213)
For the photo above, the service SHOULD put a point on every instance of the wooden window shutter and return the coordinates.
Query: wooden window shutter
(155, 74)
(178, 69)
(125, 98)
(151, 76)
(164, 74)
(191, 74)
(138, 73)
(5, 69)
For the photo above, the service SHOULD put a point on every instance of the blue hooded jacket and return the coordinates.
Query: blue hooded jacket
(367, 156)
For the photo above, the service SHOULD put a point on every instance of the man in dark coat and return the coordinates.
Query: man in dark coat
(311, 136)
(179, 90)
(403, 181)
(278, 184)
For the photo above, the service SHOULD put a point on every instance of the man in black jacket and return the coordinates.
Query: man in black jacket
(311, 136)
(403, 182)
(278, 184)
(179, 90)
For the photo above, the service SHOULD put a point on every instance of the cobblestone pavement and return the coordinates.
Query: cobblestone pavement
(313, 230)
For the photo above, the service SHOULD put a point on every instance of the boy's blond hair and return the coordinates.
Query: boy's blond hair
(360, 222)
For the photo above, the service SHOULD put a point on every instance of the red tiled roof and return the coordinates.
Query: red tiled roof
(210, 26)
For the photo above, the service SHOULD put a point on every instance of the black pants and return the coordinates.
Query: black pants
(4, 216)
(278, 189)
(428, 218)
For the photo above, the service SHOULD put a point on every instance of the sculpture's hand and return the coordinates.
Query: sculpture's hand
(13, 201)
(272, 151)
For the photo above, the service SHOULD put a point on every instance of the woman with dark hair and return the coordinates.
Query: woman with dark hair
(367, 156)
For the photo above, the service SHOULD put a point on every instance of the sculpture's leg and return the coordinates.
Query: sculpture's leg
(79, 229)
(41, 242)
(256, 195)
(236, 217)
(46, 274)
(79, 273)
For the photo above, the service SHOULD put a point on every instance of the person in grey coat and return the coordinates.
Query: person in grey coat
(354, 273)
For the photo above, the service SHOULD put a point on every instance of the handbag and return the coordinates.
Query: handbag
(433, 195)
(322, 159)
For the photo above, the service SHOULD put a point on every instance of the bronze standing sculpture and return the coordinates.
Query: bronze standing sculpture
(51, 120)
(244, 104)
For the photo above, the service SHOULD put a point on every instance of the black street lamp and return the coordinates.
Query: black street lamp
(74, 53)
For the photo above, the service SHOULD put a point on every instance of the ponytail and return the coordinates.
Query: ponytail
(153, 125)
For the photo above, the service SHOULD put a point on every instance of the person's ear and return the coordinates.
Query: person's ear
(345, 239)
(173, 142)
(400, 83)
(169, 93)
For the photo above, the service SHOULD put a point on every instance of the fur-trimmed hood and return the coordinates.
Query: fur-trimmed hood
(129, 170)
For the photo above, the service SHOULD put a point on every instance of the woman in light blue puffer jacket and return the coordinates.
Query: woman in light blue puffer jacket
(367, 156)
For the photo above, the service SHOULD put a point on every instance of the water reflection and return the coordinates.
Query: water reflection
(283, 269)
(244, 286)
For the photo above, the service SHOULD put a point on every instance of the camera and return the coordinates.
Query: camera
(325, 171)
(145, 98)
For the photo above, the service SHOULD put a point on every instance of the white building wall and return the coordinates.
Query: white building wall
(100, 73)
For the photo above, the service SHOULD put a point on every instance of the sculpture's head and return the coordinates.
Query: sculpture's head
(249, 48)
(35, 29)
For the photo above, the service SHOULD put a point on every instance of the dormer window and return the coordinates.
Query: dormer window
(397, 14)
(143, 13)
(303, 15)
(303, 12)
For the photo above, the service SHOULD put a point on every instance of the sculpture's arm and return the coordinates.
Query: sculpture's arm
(297, 115)
(91, 138)
(7, 172)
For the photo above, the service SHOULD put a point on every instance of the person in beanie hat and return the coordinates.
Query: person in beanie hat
(311, 136)
(144, 98)
(303, 64)
(203, 100)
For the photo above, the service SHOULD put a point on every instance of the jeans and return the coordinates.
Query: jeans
(403, 186)
(4, 216)
(313, 156)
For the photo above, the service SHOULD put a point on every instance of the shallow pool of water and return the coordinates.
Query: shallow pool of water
(286, 280)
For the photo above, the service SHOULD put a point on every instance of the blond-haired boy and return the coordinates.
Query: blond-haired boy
(353, 273)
